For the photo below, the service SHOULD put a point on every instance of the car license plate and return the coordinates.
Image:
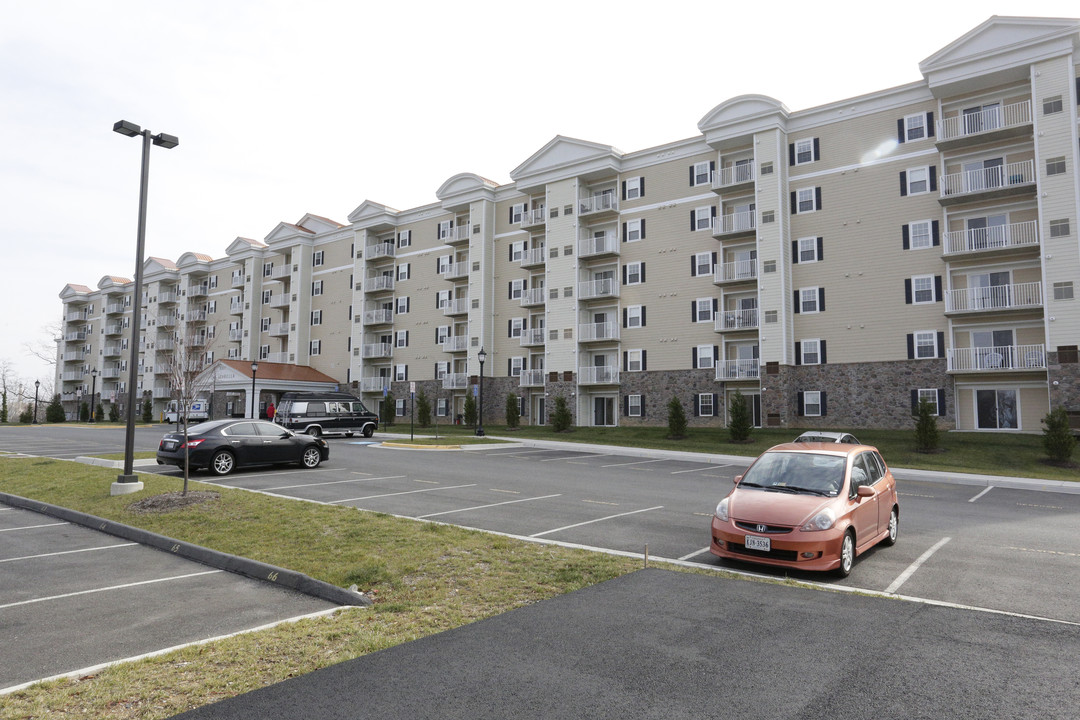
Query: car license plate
(753, 542)
(169, 445)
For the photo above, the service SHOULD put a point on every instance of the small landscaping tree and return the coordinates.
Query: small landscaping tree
(387, 409)
(84, 412)
(100, 416)
(114, 412)
(512, 411)
(148, 409)
(926, 430)
(562, 418)
(470, 410)
(54, 413)
(423, 410)
(26, 416)
(676, 420)
(739, 424)
(3, 407)
(1058, 440)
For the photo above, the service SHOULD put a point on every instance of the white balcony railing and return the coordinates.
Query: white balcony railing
(536, 216)
(600, 202)
(236, 335)
(603, 375)
(455, 343)
(1021, 234)
(236, 307)
(237, 280)
(377, 350)
(532, 336)
(605, 288)
(114, 329)
(277, 357)
(988, 178)
(732, 175)
(531, 378)
(532, 296)
(998, 357)
(166, 320)
(278, 328)
(602, 244)
(534, 256)
(165, 344)
(111, 373)
(196, 316)
(374, 384)
(455, 271)
(454, 234)
(76, 316)
(72, 375)
(75, 356)
(281, 272)
(728, 320)
(376, 251)
(280, 300)
(455, 381)
(167, 296)
(988, 120)
(457, 306)
(197, 289)
(376, 283)
(737, 369)
(160, 393)
(378, 317)
(75, 336)
(735, 271)
(734, 222)
(112, 350)
(592, 332)
(115, 308)
(995, 297)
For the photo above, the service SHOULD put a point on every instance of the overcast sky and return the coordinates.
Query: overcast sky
(284, 108)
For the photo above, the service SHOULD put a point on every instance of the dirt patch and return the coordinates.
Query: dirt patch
(168, 502)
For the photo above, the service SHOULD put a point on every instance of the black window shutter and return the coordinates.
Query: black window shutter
(798, 353)
(930, 124)
(715, 303)
(510, 290)
(712, 169)
(824, 403)
(642, 228)
(623, 274)
(641, 194)
(903, 183)
(714, 211)
(626, 398)
(822, 358)
(693, 266)
(509, 367)
(907, 236)
(935, 233)
(914, 402)
(907, 291)
(937, 288)
(933, 178)
(794, 204)
(643, 396)
(900, 131)
(644, 365)
(941, 402)
(693, 358)
(626, 361)
(511, 214)
(691, 176)
(697, 405)
(406, 372)
(910, 346)
(623, 189)
(796, 294)
(794, 252)
(693, 311)
(642, 272)
(817, 149)
(801, 409)
(624, 232)
(693, 220)
(791, 154)
(509, 328)
(817, 198)
(437, 338)
(643, 320)
(821, 299)
(624, 317)
(820, 249)
(941, 344)
(713, 266)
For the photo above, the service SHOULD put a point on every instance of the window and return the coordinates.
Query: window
(517, 289)
(701, 173)
(768, 266)
(919, 235)
(315, 347)
(768, 216)
(1055, 166)
(633, 188)
(810, 352)
(442, 406)
(633, 405)
(811, 405)
(404, 271)
(922, 289)
(316, 317)
(515, 326)
(916, 127)
(1052, 105)
(317, 258)
(918, 180)
(1063, 290)
(805, 200)
(399, 407)
(402, 338)
(635, 316)
(805, 151)
(401, 373)
(925, 344)
(634, 273)
(807, 250)
(770, 317)
(517, 212)
(703, 356)
(517, 251)
(703, 309)
(634, 361)
(264, 324)
(1059, 228)
(809, 300)
(515, 366)
(266, 295)
(446, 229)
(264, 352)
(211, 308)
(930, 395)
(441, 334)
(701, 218)
(767, 168)
(633, 230)
(702, 264)
(212, 285)
(316, 288)
(404, 238)
(402, 305)
(268, 269)
(705, 404)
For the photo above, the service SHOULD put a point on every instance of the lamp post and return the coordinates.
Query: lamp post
(481, 356)
(128, 482)
(37, 385)
(93, 393)
(254, 408)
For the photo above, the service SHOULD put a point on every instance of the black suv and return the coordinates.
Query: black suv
(330, 413)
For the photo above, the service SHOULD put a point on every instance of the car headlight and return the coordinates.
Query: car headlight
(824, 520)
(722, 510)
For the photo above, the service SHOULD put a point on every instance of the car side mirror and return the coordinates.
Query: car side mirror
(286, 434)
(738, 479)
(865, 491)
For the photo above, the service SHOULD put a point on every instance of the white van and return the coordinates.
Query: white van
(198, 411)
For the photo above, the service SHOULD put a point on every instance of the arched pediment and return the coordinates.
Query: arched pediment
(741, 109)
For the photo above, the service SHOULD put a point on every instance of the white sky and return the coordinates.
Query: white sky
(284, 108)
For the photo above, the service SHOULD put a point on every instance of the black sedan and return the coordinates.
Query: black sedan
(220, 446)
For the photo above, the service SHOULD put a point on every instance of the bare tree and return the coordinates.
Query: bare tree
(44, 349)
(190, 357)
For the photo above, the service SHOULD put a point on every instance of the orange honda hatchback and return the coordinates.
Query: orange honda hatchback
(809, 506)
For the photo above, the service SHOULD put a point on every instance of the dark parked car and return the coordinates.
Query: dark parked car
(328, 413)
(220, 446)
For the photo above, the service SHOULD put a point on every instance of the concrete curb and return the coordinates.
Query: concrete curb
(115, 464)
(223, 561)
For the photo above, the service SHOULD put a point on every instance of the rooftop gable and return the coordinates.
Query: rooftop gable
(564, 157)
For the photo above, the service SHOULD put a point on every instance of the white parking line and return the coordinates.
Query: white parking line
(915, 566)
(707, 467)
(31, 527)
(589, 522)
(106, 589)
(68, 552)
(693, 554)
(407, 492)
(638, 462)
(988, 489)
(481, 507)
(512, 452)
(575, 457)
(334, 482)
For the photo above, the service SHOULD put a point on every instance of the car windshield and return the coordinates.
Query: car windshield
(801, 472)
(202, 427)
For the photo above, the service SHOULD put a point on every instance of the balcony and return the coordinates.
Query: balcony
(113, 351)
(161, 393)
(455, 343)
(114, 329)
(599, 206)
(1018, 296)
(72, 376)
(457, 306)
(278, 357)
(237, 280)
(997, 358)
(374, 384)
(167, 297)
(534, 257)
(454, 235)
(380, 251)
(455, 271)
(70, 397)
(455, 381)
(280, 300)
(236, 308)
(377, 350)
(999, 238)
(166, 321)
(738, 369)
(533, 218)
(596, 289)
(531, 378)
(735, 272)
(195, 316)
(603, 375)
(198, 289)
(606, 244)
(115, 308)
(165, 345)
(384, 316)
(734, 224)
(77, 316)
(598, 332)
(75, 356)
(75, 336)
(378, 283)
(735, 320)
(281, 273)
(236, 335)
(111, 373)
(532, 337)
(991, 124)
(988, 183)
(278, 329)
(532, 297)
(733, 177)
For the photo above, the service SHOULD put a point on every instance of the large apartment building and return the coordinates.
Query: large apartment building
(833, 265)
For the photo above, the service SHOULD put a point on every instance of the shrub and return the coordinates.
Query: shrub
(148, 410)
(926, 430)
(676, 420)
(100, 414)
(84, 412)
(423, 410)
(387, 410)
(739, 424)
(562, 418)
(54, 413)
(512, 411)
(1058, 440)
(114, 412)
(470, 410)
(26, 416)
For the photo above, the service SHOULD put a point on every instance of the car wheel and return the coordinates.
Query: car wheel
(894, 527)
(314, 431)
(311, 458)
(222, 463)
(847, 555)
(369, 431)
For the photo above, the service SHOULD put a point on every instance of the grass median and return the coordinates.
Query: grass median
(425, 578)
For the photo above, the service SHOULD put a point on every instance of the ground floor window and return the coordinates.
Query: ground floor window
(996, 409)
